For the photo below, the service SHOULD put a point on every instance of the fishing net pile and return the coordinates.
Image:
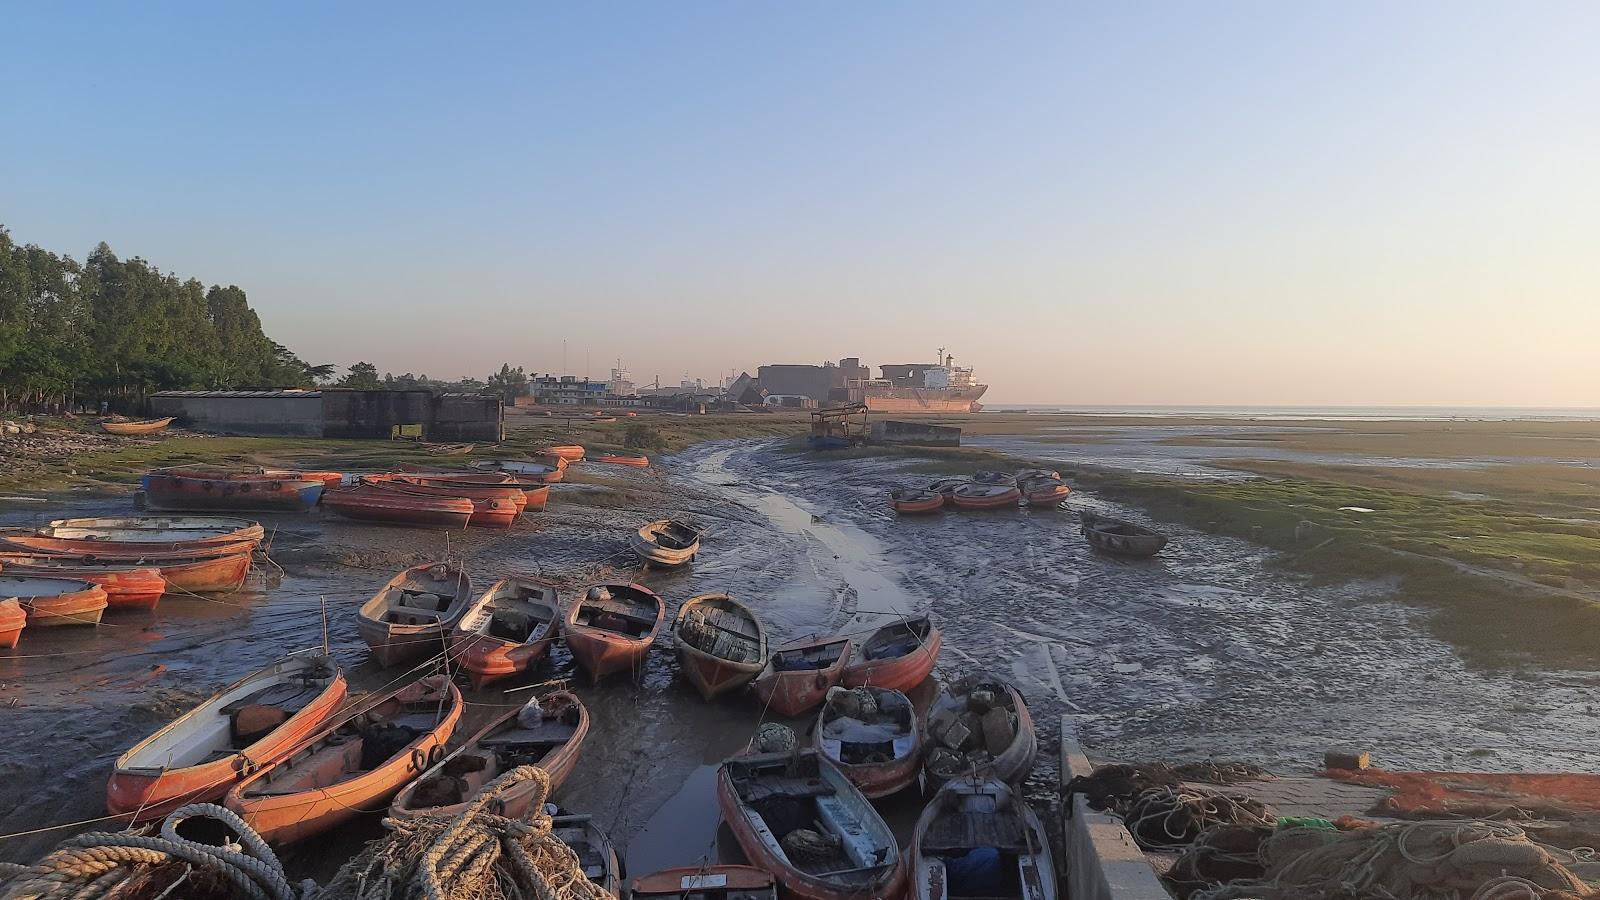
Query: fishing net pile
(137, 865)
(1450, 860)
(476, 854)
(1161, 810)
(773, 737)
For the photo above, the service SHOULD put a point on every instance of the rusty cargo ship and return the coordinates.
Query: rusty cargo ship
(939, 387)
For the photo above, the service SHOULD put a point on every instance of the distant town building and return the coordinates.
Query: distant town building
(568, 390)
(621, 383)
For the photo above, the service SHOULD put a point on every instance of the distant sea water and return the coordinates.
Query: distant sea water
(1330, 413)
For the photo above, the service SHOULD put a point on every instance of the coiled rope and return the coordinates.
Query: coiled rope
(96, 863)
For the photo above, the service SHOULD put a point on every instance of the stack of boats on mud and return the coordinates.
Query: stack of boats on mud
(1035, 488)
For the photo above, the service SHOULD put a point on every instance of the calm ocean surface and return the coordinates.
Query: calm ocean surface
(1348, 413)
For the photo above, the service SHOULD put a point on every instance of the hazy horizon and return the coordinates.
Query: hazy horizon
(1249, 204)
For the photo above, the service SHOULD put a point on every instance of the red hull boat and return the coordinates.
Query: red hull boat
(915, 502)
(493, 506)
(56, 601)
(201, 489)
(898, 656)
(13, 618)
(371, 503)
(986, 496)
(611, 627)
(126, 588)
(506, 631)
(799, 674)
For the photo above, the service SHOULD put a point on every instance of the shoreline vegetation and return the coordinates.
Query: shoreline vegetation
(1507, 549)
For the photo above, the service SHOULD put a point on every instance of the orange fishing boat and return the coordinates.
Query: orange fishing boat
(203, 488)
(535, 492)
(871, 735)
(610, 628)
(146, 426)
(355, 765)
(721, 644)
(547, 732)
(158, 529)
(253, 722)
(1045, 492)
(899, 656)
(37, 543)
(411, 618)
(506, 631)
(55, 601)
(946, 488)
(126, 588)
(705, 882)
(912, 501)
(637, 460)
(372, 503)
(799, 674)
(13, 618)
(493, 506)
(199, 572)
(547, 470)
(570, 452)
(986, 496)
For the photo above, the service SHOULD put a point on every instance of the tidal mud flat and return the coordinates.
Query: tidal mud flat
(1206, 651)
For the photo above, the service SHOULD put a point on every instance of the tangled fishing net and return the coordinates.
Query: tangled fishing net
(1452, 860)
(135, 865)
(773, 737)
(476, 854)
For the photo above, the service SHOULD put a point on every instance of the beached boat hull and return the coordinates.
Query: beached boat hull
(1048, 496)
(618, 459)
(601, 652)
(646, 543)
(535, 492)
(398, 633)
(55, 601)
(914, 503)
(525, 471)
(126, 429)
(492, 506)
(130, 588)
(876, 779)
(713, 675)
(372, 504)
(1011, 764)
(1035, 875)
(487, 658)
(1123, 539)
(900, 673)
(165, 530)
(13, 618)
(570, 452)
(292, 815)
(797, 692)
(176, 492)
(999, 498)
(150, 791)
(707, 881)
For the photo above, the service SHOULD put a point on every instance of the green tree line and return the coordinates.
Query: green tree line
(116, 330)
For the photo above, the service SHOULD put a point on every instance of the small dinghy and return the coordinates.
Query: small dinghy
(1121, 538)
(798, 817)
(125, 551)
(411, 617)
(193, 572)
(665, 543)
(357, 765)
(597, 858)
(532, 471)
(1033, 474)
(610, 628)
(493, 506)
(1042, 493)
(13, 618)
(506, 631)
(979, 839)
(547, 732)
(899, 656)
(55, 601)
(253, 722)
(979, 727)
(158, 529)
(912, 501)
(570, 452)
(721, 644)
(798, 676)
(1003, 479)
(947, 487)
(871, 735)
(706, 882)
(535, 493)
(372, 503)
(637, 460)
(138, 426)
(986, 496)
(197, 488)
(126, 588)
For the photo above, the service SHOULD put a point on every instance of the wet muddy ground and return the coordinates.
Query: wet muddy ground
(1206, 651)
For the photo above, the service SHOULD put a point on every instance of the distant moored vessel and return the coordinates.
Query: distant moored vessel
(941, 386)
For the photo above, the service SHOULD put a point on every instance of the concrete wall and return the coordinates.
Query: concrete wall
(1103, 862)
(371, 414)
(269, 415)
(467, 417)
(889, 431)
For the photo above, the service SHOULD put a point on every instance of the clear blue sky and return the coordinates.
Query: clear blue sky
(1393, 202)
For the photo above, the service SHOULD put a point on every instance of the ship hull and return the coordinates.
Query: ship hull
(922, 400)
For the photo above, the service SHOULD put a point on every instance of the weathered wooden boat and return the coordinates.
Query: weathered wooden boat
(1032, 474)
(979, 727)
(144, 426)
(610, 628)
(946, 488)
(637, 460)
(721, 644)
(216, 569)
(548, 473)
(13, 618)
(871, 735)
(506, 631)
(372, 503)
(126, 588)
(597, 858)
(253, 722)
(535, 493)
(185, 488)
(979, 839)
(912, 501)
(986, 496)
(706, 882)
(900, 655)
(799, 674)
(570, 452)
(1004, 479)
(547, 732)
(665, 543)
(796, 815)
(1121, 538)
(492, 506)
(412, 617)
(123, 550)
(354, 765)
(55, 601)
(158, 529)
(1045, 492)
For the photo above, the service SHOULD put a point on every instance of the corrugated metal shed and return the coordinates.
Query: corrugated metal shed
(233, 394)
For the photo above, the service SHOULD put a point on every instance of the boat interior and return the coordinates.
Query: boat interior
(986, 848)
(360, 745)
(520, 617)
(408, 605)
(517, 744)
(674, 535)
(791, 794)
(593, 850)
(722, 630)
(911, 494)
(809, 657)
(897, 640)
(234, 720)
(1127, 529)
(709, 886)
(629, 616)
(884, 735)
